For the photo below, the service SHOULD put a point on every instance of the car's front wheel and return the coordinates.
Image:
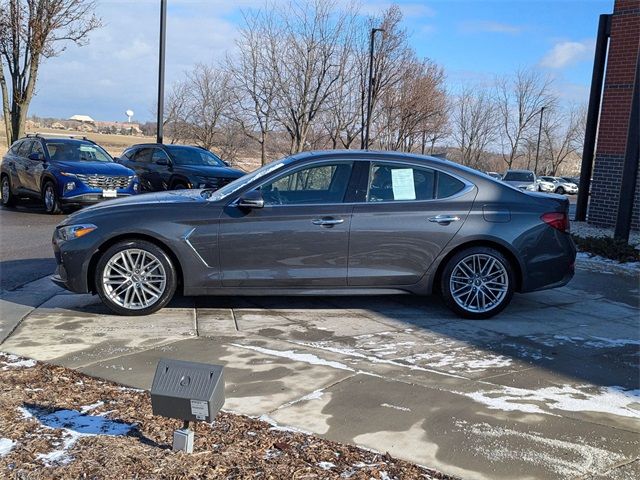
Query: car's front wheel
(5, 191)
(50, 199)
(560, 190)
(477, 282)
(135, 277)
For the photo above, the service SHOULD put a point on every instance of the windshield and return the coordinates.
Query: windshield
(242, 181)
(194, 156)
(519, 176)
(65, 151)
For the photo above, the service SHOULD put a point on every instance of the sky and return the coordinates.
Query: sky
(473, 40)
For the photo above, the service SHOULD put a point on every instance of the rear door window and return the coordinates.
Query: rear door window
(395, 182)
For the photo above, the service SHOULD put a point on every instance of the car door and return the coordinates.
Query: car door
(36, 167)
(142, 160)
(13, 164)
(160, 169)
(25, 173)
(300, 238)
(409, 214)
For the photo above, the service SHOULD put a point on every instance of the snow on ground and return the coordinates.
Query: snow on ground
(13, 361)
(298, 357)
(6, 445)
(75, 425)
(569, 459)
(583, 398)
(606, 265)
(590, 341)
(584, 230)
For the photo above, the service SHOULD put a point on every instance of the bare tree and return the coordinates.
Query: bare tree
(519, 99)
(253, 87)
(562, 135)
(474, 125)
(31, 30)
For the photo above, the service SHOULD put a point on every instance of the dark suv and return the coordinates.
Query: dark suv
(172, 167)
(62, 171)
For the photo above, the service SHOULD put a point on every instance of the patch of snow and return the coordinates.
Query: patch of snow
(315, 395)
(326, 465)
(93, 406)
(6, 445)
(75, 425)
(13, 361)
(606, 265)
(298, 357)
(590, 341)
(610, 400)
(395, 407)
(279, 428)
(271, 454)
(566, 459)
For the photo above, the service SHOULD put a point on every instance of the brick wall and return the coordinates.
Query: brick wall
(624, 46)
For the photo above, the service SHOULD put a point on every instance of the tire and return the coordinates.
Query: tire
(470, 265)
(122, 263)
(50, 199)
(560, 190)
(8, 200)
(179, 186)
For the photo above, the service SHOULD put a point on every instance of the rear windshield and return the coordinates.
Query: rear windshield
(519, 176)
(194, 156)
(65, 151)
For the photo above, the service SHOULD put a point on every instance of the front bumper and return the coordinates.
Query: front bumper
(89, 198)
(73, 258)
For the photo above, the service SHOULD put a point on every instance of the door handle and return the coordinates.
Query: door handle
(444, 219)
(327, 221)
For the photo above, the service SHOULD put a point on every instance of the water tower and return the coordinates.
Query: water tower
(129, 114)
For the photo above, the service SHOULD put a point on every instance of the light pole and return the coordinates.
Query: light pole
(365, 144)
(535, 170)
(163, 32)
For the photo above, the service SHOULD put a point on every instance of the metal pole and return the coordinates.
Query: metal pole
(163, 32)
(630, 166)
(365, 144)
(593, 112)
(535, 169)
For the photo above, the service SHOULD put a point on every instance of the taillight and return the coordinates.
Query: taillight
(557, 220)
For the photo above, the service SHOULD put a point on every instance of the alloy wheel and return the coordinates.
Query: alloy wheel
(134, 279)
(479, 283)
(6, 191)
(49, 198)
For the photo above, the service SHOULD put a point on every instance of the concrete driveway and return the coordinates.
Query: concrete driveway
(549, 389)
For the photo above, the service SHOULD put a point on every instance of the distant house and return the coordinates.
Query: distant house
(82, 119)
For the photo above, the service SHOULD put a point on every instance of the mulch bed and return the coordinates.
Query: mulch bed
(232, 447)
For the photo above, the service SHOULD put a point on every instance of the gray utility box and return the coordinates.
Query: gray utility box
(187, 390)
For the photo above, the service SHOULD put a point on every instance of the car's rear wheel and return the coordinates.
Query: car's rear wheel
(50, 199)
(135, 277)
(5, 190)
(477, 283)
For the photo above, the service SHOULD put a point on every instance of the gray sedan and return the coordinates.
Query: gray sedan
(324, 223)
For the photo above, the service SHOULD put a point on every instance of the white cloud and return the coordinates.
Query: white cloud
(481, 26)
(567, 53)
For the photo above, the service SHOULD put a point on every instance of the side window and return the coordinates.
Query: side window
(15, 147)
(316, 184)
(394, 182)
(25, 148)
(159, 154)
(37, 148)
(129, 154)
(143, 155)
(448, 185)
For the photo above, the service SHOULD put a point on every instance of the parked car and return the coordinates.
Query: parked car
(321, 223)
(547, 184)
(566, 185)
(62, 172)
(523, 179)
(495, 175)
(174, 167)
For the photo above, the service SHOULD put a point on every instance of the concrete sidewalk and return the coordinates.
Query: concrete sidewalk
(548, 389)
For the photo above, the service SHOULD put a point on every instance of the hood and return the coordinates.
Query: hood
(90, 168)
(172, 196)
(209, 172)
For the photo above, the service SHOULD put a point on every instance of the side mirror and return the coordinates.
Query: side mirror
(38, 157)
(252, 199)
(226, 163)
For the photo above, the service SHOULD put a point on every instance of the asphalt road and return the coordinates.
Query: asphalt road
(25, 244)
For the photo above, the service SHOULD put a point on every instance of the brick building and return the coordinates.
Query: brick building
(613, 126)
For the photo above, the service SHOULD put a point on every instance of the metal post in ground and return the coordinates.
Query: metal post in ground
(163, 32)
(365, 143)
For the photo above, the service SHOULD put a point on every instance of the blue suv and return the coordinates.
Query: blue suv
(62, 172)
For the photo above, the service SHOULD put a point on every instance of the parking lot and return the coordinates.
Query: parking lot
(547, 389)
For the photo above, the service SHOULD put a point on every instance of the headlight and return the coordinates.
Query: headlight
(70, 232)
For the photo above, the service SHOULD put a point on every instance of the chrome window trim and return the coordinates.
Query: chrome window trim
(469, 186)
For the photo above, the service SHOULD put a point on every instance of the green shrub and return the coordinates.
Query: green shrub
(608, 247)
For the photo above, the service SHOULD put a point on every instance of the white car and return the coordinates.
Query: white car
(546, 184)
